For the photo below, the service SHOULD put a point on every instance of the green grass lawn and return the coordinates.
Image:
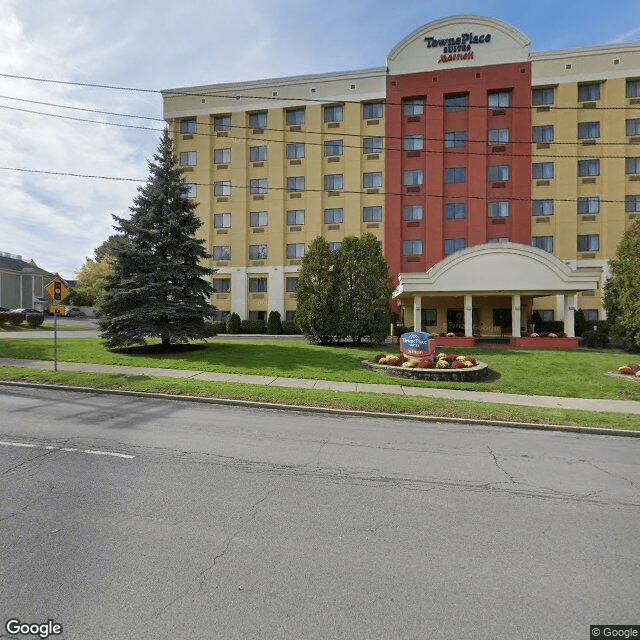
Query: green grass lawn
(570, 373)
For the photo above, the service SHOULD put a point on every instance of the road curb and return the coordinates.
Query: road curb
(327, 410)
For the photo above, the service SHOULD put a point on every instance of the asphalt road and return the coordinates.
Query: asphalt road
(136, 518)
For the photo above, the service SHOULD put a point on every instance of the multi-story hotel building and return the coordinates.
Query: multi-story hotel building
(499, 180)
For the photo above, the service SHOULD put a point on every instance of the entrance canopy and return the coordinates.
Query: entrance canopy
(498, 269)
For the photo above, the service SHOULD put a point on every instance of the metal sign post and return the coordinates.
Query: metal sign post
(55, 340)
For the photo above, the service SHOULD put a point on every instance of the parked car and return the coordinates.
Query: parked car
(4, 309)
(74, 312)
(25, 310)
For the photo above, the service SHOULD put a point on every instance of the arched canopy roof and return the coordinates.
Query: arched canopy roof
(490, 269)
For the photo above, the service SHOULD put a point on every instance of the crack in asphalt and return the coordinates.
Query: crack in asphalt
(612, 474)
(28, 460)
(499, 466)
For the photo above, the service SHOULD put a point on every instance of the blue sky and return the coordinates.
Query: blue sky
(58, 221)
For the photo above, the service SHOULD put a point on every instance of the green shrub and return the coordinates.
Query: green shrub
(15, 319)
(219, 327)
(399, 329)
(274, 323)
(35, 319)
(598, 337)
(580, 323)
(290, 328)
(253, 326)
(234, 325)
(4, 317)
(551, 326)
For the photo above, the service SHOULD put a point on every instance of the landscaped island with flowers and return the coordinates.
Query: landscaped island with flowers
(443, 366)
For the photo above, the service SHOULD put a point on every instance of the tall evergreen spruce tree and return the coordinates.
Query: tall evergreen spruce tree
(159, 287)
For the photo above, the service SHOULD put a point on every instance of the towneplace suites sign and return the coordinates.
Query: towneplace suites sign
(457, 48)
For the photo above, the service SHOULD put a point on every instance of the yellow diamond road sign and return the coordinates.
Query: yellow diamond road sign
(57, 290)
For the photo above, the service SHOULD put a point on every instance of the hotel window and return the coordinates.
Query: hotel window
(499, 99)
(413, 177)
(455, 175)
(498, 172)
(372, 214)
(258, 316)
(334, 246)
(222, 252)
(294, 117)
(295, 183)
(295, 251)
(632, 166)
(221, 220)
(590, 204)
(590, 315)
(257, 285)
(543, 96)
(498, 136)
(258, 120)
(333, 216)
(187, 158)
(188, 125)
(290, 316)
(372, 145)
(258, 154)
(257, 252)
(542, 133)
(333, 147)
(546, 315)
(412, 212)
(412, 106)
(295, 217)
(589, 92)
(191, 190)
(499, 209)
(333, 182)
(455, 210)
(221, 156)
(633, 88)
(334, 113)
(542, 242)
(429, 317)
(455, 103)
(412, 248)
(454, 244)
(221, 285)
(633, 126)
(221, 123)
(632, 203)
(542, 207)
(413, 142)
(372, 180)
(222, 188)
(497, 240)
(290, 284)
(295, 150)
(258, 186)
(454, 139)
(589, 167)
(590, 242)
(371, 110)
(542, 170)
(258, 219)
(588, 130)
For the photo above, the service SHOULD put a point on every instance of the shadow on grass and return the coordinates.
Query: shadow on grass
(159, 349)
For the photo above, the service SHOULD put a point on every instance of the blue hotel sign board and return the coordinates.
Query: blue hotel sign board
(417, 343)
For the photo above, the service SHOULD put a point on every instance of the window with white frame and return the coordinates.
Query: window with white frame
(333, 147)
(258, 186)
(412, 106)
(589, 242)
(412, 248)
(455, 139)
(295, 217)
(191, 190)
(222, 252)
(257, 285)
(333, 182)
(221, 220)
(334, 247)
(455, 210)
(588, 130)
(290, 316)
(590, 315)
(542, 207)
(258, 153)
(257, 252)
(499, 99)
(221, 285)
(589, 167)
(372, 145)
(295, 150)
(451, 245)
(257, 316)
(221, 156)
(632, 166)
(498, 172)
(542, 133)
(295, 183)
(542, 96)
(258, 120)
(372, 110)
(589, 92)
(295, 251)
(498, 136)
(188, 125)
(372, 214)
(412, 212)
(633, 126)
(455, 103)
(589, 204)
(222, 188)
(453, 175)
(633, 88)
(294, 117)
(546, 315)
(333, 216)
(412, 177)
(290, 284)
(334, 113)
(542, 170)
(413, 142)
(372, 179)
(187, 158)
(221, 123)
(632, 203)
(499, 209)
(258, 219)
(542, 242)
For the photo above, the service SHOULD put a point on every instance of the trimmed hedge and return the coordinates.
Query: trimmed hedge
(35, 319)
(253, 326)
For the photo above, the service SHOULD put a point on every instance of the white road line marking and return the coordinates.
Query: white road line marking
(70, 449)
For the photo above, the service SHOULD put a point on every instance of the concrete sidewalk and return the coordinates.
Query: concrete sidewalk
(587, 404)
